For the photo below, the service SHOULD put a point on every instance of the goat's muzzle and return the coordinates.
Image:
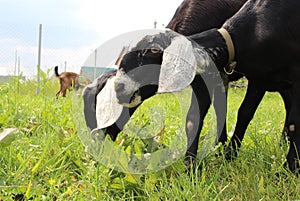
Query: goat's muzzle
(127, 90)
(129, 100)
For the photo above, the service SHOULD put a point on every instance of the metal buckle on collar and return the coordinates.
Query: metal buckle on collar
(229, 69)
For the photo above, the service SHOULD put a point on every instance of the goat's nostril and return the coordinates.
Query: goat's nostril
(120, 87)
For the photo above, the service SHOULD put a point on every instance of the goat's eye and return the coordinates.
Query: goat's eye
(155, 51)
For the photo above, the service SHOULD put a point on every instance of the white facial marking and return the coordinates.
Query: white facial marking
(130, 86)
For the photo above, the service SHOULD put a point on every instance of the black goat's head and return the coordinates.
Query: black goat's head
(138, 75)
(140, 71)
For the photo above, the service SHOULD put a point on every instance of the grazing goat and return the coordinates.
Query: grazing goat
(188, 20)
(192, 16)
(266, 40)
(66, 80)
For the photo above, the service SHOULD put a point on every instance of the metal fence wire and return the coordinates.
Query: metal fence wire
(63, 46)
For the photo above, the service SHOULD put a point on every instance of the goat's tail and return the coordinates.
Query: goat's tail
(56, 71)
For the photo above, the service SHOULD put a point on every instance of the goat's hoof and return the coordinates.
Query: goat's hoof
(189, 162)
(230, 153)
(219, 152)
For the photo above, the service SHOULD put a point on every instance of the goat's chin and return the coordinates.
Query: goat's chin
(133, 103)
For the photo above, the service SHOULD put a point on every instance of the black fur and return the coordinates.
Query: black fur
(192, 16)
(267, 43)
(56, 71)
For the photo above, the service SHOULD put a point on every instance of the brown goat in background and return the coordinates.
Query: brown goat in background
(67, 80)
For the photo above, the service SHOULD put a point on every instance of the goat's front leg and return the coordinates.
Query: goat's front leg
(57, 94)
(246, 112)
(220, 105)
(199, 106)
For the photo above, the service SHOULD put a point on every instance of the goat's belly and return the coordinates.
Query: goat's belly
(272, 82)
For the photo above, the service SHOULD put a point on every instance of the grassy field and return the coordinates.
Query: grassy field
(47, 160)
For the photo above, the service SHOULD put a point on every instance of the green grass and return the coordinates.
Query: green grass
(47, 160)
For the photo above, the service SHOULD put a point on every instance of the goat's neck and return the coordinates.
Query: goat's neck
(215, 46)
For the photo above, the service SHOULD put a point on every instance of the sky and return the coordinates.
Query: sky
(71, 29)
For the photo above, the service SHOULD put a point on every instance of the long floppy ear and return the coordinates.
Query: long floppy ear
(108, 110)
(178, 67)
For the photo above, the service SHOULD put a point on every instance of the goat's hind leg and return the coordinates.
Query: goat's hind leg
(293, 124)
(293, 157)
(287, 99)
(64, 92)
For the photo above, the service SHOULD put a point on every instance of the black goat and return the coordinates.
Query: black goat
(267, 43)
(191, 17)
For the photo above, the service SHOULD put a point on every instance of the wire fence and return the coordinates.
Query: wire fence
(66, 47)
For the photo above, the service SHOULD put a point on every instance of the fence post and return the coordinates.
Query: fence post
(39, 60)
(95, 64)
